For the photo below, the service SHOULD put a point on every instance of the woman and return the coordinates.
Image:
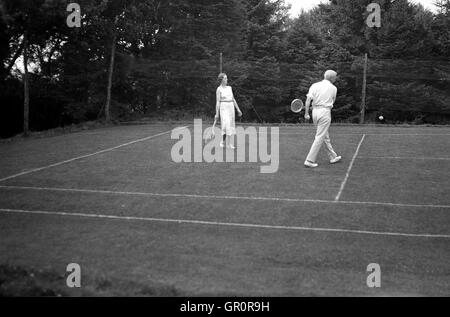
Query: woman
(225, 106)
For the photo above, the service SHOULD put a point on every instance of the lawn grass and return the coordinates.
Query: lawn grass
(404, 169)
(18, 281)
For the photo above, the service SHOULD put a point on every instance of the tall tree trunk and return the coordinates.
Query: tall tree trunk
(15, 57)
(110, 78)
(26, 88)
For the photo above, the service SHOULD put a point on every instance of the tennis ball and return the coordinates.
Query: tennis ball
(381, 118)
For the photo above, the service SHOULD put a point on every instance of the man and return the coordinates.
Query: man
(322, 95)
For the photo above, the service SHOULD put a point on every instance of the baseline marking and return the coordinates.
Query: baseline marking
(87, 155)
(225, 224)
(344, 182)
(217, 197)
(310, 132)
(377, 134)
(406, 158)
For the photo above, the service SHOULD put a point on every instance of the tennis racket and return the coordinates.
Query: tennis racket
(297, 106)
(212, 134)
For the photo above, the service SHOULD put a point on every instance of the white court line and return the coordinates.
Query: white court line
(370, 134)
(312, 132)
(368, 131)
(224, 224)
(218, 197)
(406, 158)
(88, 155)
(344, 182)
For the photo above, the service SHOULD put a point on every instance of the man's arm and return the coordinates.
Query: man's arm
(310, 96)
(307, 106)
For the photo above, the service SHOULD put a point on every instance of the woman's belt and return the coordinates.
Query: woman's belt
(226, 101)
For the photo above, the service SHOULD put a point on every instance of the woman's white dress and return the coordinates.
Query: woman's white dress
(227, 113)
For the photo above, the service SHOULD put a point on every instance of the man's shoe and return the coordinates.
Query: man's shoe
(310, 164)
(337, 159)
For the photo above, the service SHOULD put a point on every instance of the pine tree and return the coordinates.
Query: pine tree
(265, 46)
(182, 62)
(441, 28)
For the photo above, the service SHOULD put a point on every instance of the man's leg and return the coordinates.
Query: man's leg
(331, 153)
(323, 124)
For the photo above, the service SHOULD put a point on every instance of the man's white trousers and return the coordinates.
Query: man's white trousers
(322, 121)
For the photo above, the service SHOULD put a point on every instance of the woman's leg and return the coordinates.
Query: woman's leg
(232, 126)
(227, 123)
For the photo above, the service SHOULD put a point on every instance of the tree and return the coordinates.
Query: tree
(441, 28)
(406, 33)
(180, 60)
(265, 36)
(28, 22)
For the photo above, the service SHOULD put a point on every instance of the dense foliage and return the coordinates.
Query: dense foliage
(166, 59)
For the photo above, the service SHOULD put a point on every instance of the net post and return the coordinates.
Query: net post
(364, 89)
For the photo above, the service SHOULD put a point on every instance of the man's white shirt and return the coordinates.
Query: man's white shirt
(323, 94)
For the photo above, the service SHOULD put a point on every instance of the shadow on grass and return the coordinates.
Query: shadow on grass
(18, 281)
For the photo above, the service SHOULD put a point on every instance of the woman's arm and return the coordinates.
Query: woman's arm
(236, 106)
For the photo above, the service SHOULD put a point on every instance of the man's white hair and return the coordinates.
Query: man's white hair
(330, 74)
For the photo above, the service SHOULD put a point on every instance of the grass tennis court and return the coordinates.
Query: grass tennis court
(113, 201)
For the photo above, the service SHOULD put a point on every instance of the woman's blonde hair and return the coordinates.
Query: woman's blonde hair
(220, 78)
